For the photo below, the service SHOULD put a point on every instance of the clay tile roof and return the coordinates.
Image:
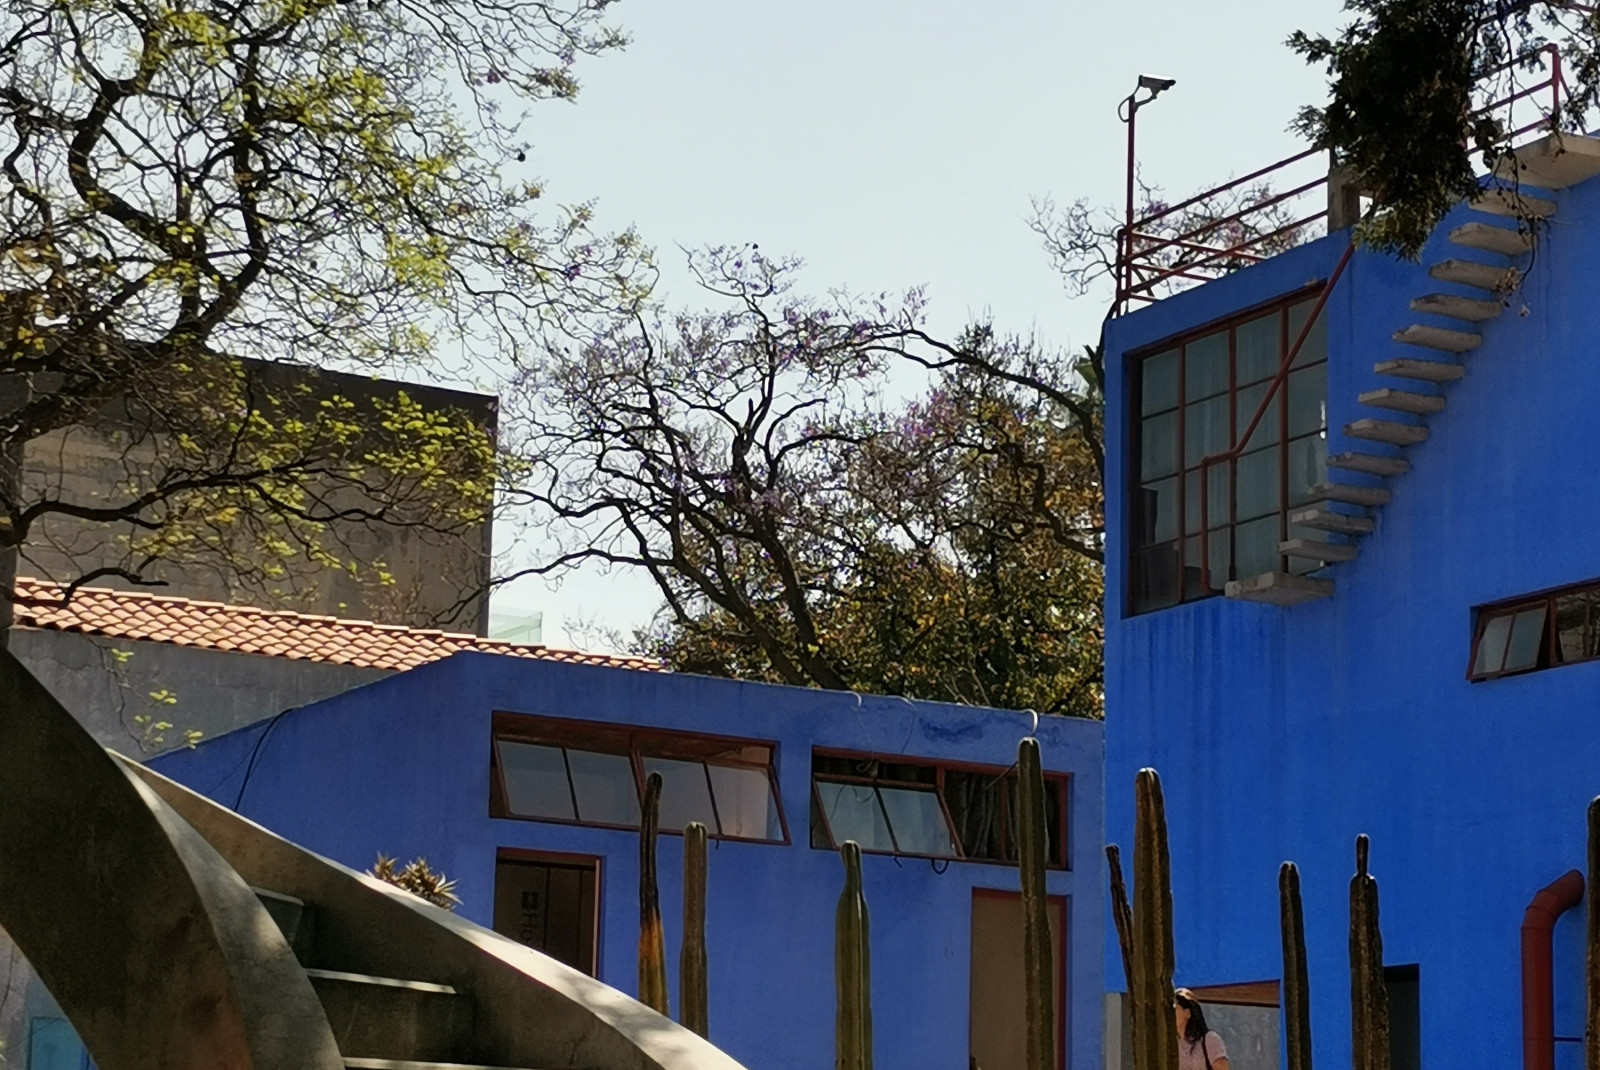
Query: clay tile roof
(157, 618)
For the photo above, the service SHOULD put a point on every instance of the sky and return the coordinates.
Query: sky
(900, 143)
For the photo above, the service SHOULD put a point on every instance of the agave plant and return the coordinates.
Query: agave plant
(417, 878)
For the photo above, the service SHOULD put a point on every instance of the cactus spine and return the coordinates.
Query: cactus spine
(1296, 985)
(1121, 914)
(692, 1009)
(652, 952)
(1591, 958)
(852, 1023)
(1155, 1041)
(1369, 1003)
(1038, 965)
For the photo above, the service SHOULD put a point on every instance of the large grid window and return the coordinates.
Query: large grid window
(1193, 399)
(1561, 627)
(579, 772)
(926, 810)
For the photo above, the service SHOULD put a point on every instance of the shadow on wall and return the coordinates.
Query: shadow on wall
(34, 1031)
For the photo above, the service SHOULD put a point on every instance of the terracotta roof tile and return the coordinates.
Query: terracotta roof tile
(278, 633)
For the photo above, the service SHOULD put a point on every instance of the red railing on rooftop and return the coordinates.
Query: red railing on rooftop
(1244, 220)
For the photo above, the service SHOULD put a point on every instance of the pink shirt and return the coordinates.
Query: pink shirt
(1190, 1057)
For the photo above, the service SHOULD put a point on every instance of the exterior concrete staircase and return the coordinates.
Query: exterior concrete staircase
(176, 934)
(1414, 386)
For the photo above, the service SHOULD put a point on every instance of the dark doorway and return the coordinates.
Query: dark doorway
(1405, 1032)
(549, 902)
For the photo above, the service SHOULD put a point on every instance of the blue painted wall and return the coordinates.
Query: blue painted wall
(402, 766)
(1282, 733)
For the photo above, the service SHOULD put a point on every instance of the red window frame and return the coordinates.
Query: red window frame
(1550, 655)
(1060, 861)
(1189, 586)
(636, 743)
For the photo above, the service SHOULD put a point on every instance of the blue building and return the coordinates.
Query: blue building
(520, 779)
(1351, 588)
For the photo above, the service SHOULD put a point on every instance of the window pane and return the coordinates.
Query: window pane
(1205, 366)
(1244, 409)
(978, 809)
(918, 823)
(1572, 619)
(852, 813)
(1257, 349)
(1527, 631)
(1315, 347)
(684, 795)
(1308, 466)
(1256, 487)
(1308, 396)
(1492, 647)
(1155, 577)
(1217, 500)
(607, 793)
(1217, 575)
(1256, 547)
(535, 780)
(745, 803)
(1160, 382)
(1158, 446)
(1156, 515)
(1205, 430)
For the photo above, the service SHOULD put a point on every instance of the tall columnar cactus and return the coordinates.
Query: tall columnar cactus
(1296, 984)
(852, 975)
(1369, 1003)
(1033, 847)
(1591, 961)
(692, 1009)
(1121, 914)
(652, 952)
(1155, 1041)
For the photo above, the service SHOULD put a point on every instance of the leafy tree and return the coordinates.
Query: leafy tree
(804, 527)
(190, 182)
(1409, 79)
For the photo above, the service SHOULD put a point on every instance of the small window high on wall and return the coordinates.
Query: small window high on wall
(1539, 631)
(580, 772)
(1198, 514)
(926, 809)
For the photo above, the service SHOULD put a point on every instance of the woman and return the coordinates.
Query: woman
(1198, 1047)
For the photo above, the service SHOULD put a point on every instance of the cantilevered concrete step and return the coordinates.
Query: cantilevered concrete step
(1507, 241)
(1350, 494)
(387, 1018)
(1317, 550)
(1461, 308)
(296, 920)
(1386, 431)
(1328, 520)
(1402, 401)
(1278, 589)
(1555, 161)
(1371, 464)
(1429, 371)
(1441, 338)
(1502, 201)
(1481, 276)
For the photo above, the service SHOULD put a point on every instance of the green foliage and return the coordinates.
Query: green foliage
(852, 969)
(418, 879)
(1408, 82)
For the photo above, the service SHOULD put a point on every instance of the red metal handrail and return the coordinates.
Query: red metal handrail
(1138, 272)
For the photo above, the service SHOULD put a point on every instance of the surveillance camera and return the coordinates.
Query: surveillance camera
(1156, 85)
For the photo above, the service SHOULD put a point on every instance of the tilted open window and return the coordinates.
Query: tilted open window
(1559, 627)
(580, 772)
(926, 809)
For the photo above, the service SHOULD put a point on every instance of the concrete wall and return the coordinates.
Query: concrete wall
(1282, 733)
(402, 767)
(216, 691)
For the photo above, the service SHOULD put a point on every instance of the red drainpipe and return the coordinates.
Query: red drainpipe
(1538, 1005)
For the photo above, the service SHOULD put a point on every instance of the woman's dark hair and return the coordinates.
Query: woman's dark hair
(1196, 1030)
